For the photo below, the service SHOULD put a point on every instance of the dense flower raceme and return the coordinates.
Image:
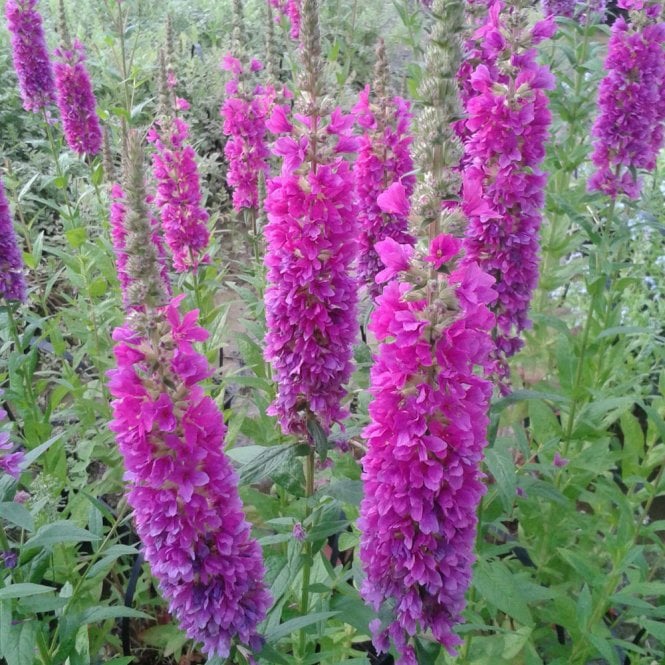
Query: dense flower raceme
(12, 280)
(311, 295)
(559, 7)
(31, 59)
(291, 10)
(117, 216)
(628, 132)
(76, 100)
(182, 488)
(427, 431)
(584, 10)
(383, 161)
(507, 128)
(244, 112)
(178, 198)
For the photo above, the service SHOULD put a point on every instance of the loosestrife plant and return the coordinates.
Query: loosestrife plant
(311, 245)
(180, 485)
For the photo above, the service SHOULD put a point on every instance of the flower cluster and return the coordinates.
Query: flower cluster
(585, 10)
(12, 280)
(628, 132)
(559, 7)
(383, 162)
(31, 59)
(178, 198)
(182, 488)
(427, 431)
(311, 245)
(507, 128)
(244, 112)
(290, 9)
(76, 100)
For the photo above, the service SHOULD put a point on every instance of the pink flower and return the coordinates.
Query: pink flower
(76, 101)
(628, 132)
(503, 195)
(182, 488)
(184, 219)
(30, 54)
(421, 474)
(384, 182)
(394, 256)
(443, 248)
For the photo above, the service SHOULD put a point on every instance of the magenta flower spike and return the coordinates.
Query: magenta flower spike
(182, 488)
(12, 279)
(76, 100)
(245, 111)
(428, 423)
(311, 245)
(628, 131)
(178, 198)
(506, 131)
(384, 167)
(290, 9)
(30, 54)
(559, 8)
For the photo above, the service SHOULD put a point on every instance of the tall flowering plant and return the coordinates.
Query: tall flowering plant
(427, 431)
(245, 111)
(507, 129)
(184, 219)
(429, 413)
(76, 100)
(384, 161)
(30, 54)
(628, 132)
(181, 486)
(312, 225)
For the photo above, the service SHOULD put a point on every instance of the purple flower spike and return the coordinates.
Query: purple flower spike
(628, 132)
(427, 432)
(31, 59)
(504, 189)
(12, 280)
(182, 488)
(76, 101)
(184, 219)
(384, 182)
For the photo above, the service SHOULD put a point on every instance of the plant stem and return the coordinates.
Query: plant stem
(307, 551)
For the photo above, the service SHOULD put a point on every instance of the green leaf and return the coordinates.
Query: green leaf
(427, 652)
(59, 532)
(24, 589)
(21, 643)
(293, 625)
(17, 515)
(346, 491)
(270, 460)
(112, 554)
(104, 612)
(633, 445)
(319, 437)
(34, 454)
(76, 236)
(502, 467)
(495, 584)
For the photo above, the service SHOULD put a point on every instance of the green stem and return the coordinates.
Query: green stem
(27, 381)
(307, 552)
